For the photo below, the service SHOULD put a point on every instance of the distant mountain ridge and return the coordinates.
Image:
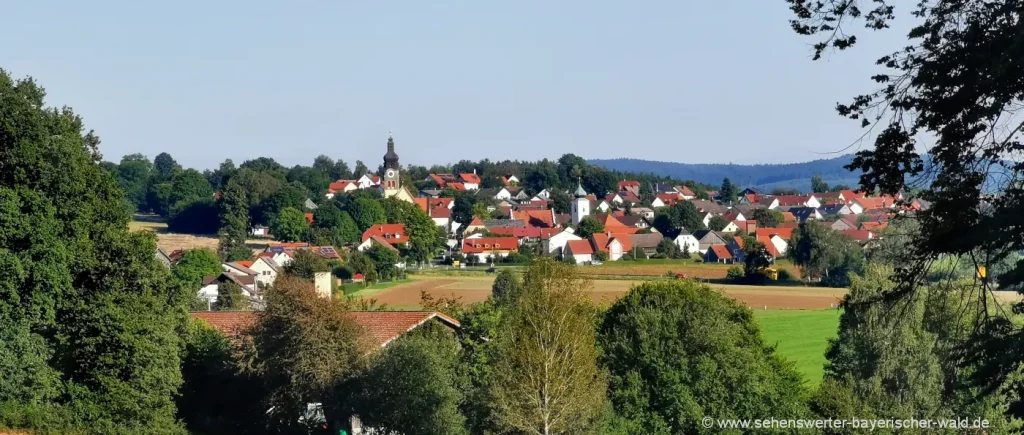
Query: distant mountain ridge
(763, 176)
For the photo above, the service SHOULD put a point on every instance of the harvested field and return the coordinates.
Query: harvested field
(476, 289)
(694, 270)
(171, 241)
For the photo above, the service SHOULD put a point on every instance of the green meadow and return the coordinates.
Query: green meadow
(801, 336)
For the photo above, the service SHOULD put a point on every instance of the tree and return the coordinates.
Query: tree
(965, 120)
(303, 347)
(384, 260)
(133, 173)
(767, 218)
(314, 181)
(716, 347)
(507, 286)
(158, 199)
(425, 400)
(425, 237)
(306, 265)
(290, 225)
(682, 214)
(219, 177)
(589, 226)
(194, 265)
(190, 186)
(234, 223)
(755, 258)
(164, 167)
(728, 192)
(666, 248)
(230, 298)
(194, 217)
(367, 213)
(717, 223)
(818, 185)
(360, 170)
(266, 165)
(341, 171)
(89, 339)
(825, 254)
(348, 230)
(545, 378)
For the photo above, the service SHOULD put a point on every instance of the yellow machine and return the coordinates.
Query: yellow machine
(772, 273)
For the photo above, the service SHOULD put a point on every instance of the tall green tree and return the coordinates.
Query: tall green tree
(507, 286)
(194, 265)
(384, 261)
(82, 299)
(545, 377)
(767, 218)
(133, 173)
(230, 298)
(425, 400)
(825, 254)
(717, 223)
(682, 214)
(728, 192)
(678, 351)
(360, 169)
(818, 185)
(189, 186)
(304, 348)
(367, 213)
(307, 264)
(290, 225)
(425, 237)
(234, 223)
(164, 167)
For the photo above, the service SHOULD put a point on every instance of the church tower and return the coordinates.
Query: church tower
(391, 167)
(580, 205)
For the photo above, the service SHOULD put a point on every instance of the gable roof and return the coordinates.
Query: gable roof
(769, 246)
(720, 251)
(646, 240)
(684, 190)
(792, 200)
(785, 233)
(602, 240)
(392, 233)
(481, 245)
(470, 178)
(860, 235)
(580, 247)
(381, 326)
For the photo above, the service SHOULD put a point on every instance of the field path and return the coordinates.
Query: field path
(471, 289)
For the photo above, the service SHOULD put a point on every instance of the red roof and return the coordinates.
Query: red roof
(792, 200)
(785, 233)
(440, 213)
(739, 241)
(309, 218)
(357, 276)
(393, 233)
(481, 245)
(340, 185)
(683, 190)
(858, 234)
(579, 247)
(476, 222)
(518, 232)
(381, 326)
(767, 242)
(788, 217)
(538, 218)
(602, 240)
(421, 203)
(245, 263)
(470, 178)
(440, 202)
(788, 225)
(613, 225)
(457, 186)
(669, 198)
(628, 183)
(877, 202)
(721, 251)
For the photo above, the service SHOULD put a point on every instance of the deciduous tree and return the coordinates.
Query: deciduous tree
(289, 225)
(589, 226)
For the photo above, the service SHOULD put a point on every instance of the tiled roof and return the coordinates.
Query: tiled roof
(785, 233)
(518, 232)
(470, 178)
(538, 218)
(861, 235)
(393, 233)
(476, 222)
(767, 242)
(381, 326)
(602, 240)
(383, 242)
(646, 240)
(483, 245)
(721, 251)
(440, 212)
(685, 191)
(421, 203)
(792, 200)
(580, 247)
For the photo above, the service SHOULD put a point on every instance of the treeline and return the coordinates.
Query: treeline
(745, 175)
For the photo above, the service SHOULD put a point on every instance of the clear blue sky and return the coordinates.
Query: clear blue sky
(688, 81)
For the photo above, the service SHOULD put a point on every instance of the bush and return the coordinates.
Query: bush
(735, 273)
(569, 259)
(784, 275)
(601, 256)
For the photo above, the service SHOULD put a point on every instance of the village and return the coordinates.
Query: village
(636, 222)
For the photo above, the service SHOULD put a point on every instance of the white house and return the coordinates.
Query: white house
(554, 244)
(731, 227)
(780, 244)
(503, 194)
(542, 195)
(260, 231)
(657, 203)
(707, 218)
(580, 250)
(813, 202)
(211, 285)
(367, 181)
(266, 269)
(513, 180)
(644, 211)
(686, 241)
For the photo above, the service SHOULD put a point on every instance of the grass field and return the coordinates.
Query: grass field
(801, 336)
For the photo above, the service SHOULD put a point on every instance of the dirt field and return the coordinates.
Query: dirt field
(171, 241)
(476, 289)
(699, 270)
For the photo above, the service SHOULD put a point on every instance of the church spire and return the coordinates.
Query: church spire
(391, 158)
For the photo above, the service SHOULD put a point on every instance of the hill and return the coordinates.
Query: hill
(764, 176)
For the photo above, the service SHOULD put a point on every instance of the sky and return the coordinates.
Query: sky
(684, 81)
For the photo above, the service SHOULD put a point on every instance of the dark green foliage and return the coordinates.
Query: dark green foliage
(158, 199)
(194, 265)
(728, 192)
(77, 289)
(217, 396)
(264, 164)
(755, 258)
(767, 218)
(288, 195)
(717, 223)
(306, 264)
(682, 214)
(425, 237)
(197, 217)
(234, 221)
(133, 175)
(717, 363)
(825, 254)
(230, 298)
(367, 212)
(219, 178)
(164, 167)
(360, 169)
(189, 186)
(425, 400)
(384, 261)
(735, 273)
(506, 287)
(589, 226)
(462, 210)
(561, 202)
(313, 180)
(818, 185)
(289, 225)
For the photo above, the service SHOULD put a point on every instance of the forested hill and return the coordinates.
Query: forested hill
(766, 176)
